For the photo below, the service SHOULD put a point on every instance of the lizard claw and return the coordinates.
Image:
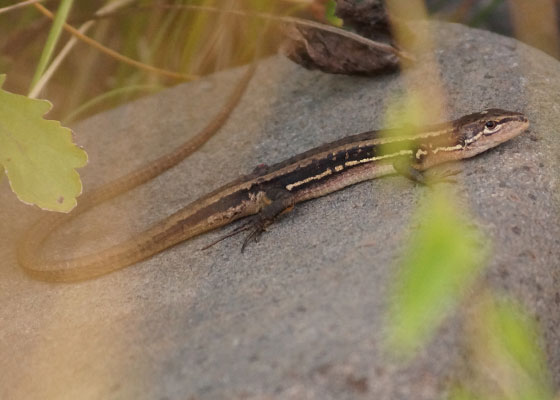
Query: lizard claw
(443, 177)
(259, 226)
(246, 226)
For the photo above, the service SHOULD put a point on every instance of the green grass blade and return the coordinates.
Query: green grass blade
(52, 39)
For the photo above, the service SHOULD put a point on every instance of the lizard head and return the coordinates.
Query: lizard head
(469, 136)
(481, 131)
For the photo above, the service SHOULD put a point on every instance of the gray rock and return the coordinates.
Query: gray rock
(300, 314)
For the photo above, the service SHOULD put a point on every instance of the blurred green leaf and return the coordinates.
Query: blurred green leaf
(403, 116)
(200, 23)
(38, 155)
(330, 15)
(504, 339)
(515, 335)
(441, 262)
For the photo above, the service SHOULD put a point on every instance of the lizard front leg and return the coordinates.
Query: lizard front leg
(404, 167)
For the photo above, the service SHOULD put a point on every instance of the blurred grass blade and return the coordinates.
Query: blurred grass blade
(536, 23)
(52, 39)
(115, 54)
(83, 73)
(506, 356)
(402, 117)
(117, 93)
(440, 264)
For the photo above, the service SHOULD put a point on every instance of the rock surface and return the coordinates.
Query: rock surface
(300, 314)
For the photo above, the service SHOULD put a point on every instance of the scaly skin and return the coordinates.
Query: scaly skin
(270, 191)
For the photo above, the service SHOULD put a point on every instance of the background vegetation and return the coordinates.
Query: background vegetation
(138, 47)
(191, 42)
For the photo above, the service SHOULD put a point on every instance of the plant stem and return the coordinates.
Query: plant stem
(52, 39)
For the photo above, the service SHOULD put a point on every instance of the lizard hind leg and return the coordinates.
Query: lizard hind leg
(282, 203)
(242, 228)
(257, 224)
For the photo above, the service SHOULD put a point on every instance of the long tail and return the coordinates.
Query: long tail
(136, 249)
(155, 239)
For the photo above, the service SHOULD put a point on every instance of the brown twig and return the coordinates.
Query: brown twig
(18, 5)
(283, 19)
(116, 55)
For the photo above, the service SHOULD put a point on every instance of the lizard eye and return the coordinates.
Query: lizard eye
(490, 127)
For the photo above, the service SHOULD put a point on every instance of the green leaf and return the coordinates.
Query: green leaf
(441, 262)
(505, 339)
(330, 15)
(38, 155)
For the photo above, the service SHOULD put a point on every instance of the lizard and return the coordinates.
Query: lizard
(270, 191)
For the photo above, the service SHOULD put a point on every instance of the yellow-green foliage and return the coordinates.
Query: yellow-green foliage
(442, 260)
(330, 15)
(38, 155)
(506, 362)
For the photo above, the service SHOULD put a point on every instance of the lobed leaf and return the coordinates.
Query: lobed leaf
(38, 155)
